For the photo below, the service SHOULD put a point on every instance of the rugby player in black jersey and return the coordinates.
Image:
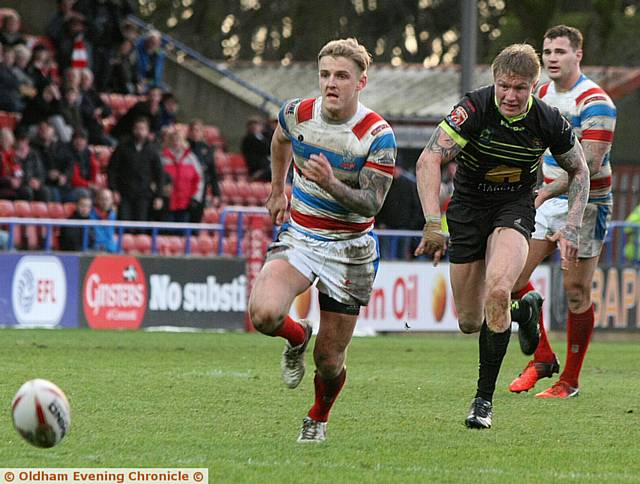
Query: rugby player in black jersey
(497, 135)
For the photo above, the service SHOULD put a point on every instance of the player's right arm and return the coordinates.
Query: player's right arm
(280, 160)
(440, 149)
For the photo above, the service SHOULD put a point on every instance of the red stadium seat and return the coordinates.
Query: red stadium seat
(142, 243)
(205, 245)
(39, 210)
(231, 221)
(128, 243)
(23, 208)
(238, 165)
(69, 209)
(193, 245)
(28, 238)
(176, 245)
(56, 210)
(211, 215)
(162, 245)
(230, 245)
(7, 209)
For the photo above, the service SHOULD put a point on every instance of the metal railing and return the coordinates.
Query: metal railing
(168, 41)
(120, 225)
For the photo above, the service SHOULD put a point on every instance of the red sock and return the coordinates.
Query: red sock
(579, 329)
(543, 353)
(326, 393)
(290, 330)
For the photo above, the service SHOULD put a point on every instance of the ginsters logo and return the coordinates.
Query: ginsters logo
(114, 293)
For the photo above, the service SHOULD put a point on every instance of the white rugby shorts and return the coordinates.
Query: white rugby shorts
(345, 269)
(552, 215)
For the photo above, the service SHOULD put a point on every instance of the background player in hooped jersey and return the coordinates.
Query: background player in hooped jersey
(593, 116)
(497, 135)
(344, 157)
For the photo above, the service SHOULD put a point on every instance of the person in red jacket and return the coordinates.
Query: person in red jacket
(184, 176)
(83, 166)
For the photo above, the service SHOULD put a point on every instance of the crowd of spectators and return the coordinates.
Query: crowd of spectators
(56, 85)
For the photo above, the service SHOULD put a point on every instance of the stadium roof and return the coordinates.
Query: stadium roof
(410, 93)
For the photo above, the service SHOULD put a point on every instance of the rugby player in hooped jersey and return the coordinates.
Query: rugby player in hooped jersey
(593, 116)
(344, 157)
(497, 135)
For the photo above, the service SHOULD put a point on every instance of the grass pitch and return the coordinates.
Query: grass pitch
(216, 400)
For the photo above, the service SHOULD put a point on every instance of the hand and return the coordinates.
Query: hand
(433, 241)
(116, 198)
(567, 239)
(318, 169)
(277, 204)
(542, 196)
(157, 203)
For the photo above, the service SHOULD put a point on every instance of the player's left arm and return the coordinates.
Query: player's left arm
(574, 163)
(366, 200)
(594, 153)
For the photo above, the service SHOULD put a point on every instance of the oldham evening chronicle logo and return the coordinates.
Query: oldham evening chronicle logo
(39, 291)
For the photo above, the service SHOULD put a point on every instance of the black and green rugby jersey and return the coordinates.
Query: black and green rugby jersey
(500, 155)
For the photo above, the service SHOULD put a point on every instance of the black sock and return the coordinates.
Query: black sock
(493, 347)
(520, 310)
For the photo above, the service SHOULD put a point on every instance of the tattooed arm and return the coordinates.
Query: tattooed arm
(594, 153)
(440, 149)
(574, 164)
(366, 200)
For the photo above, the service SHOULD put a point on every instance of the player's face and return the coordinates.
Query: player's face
(560, 60)
(512, 94)
(341, 81)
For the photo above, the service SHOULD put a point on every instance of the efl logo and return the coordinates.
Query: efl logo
(39, 291)
(114, 294)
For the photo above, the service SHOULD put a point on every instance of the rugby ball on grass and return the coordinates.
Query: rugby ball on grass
(41, 413)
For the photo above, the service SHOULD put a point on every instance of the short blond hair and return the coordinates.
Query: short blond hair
(519, 60)
(349, 48)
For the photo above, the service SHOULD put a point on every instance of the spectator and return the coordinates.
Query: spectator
(150, 109)
(400, 211)
(256, 148)
(45, 106)
(22, 55)
(10, 33)
(70, 110)
(168, 110)
(183, 169)
(83, 166)
(40, 68)
(135, 174)
(33, 173)
(71, 238)
(10, 97)
(71, 78)
(103, 237)
(10, 171)
(57, 22)
(104, 19)
(204, 153)
(151, 60)
(93, 110)
(51, 152)
(124, 69)
(75, 49)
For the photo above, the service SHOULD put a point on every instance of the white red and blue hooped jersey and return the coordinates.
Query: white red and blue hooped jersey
(364, 141)
(593, 117)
